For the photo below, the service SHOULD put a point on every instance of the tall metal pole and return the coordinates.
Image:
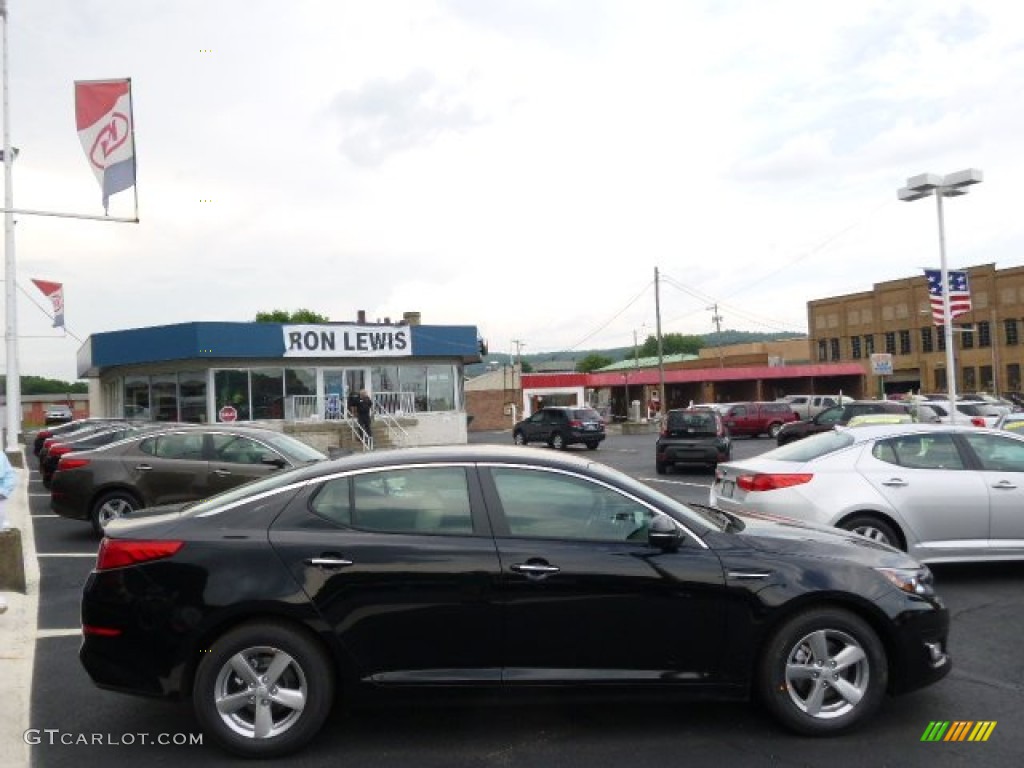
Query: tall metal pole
(10, 272)
(946, 319)
(661, 351)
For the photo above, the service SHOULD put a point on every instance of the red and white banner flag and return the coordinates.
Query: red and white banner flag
(55, 292)
(103, 113)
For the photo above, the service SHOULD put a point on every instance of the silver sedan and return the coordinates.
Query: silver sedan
(943, 493)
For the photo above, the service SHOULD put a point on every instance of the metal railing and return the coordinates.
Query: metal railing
(386, 407)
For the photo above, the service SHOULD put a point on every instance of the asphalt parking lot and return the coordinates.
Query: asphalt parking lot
(74, 723)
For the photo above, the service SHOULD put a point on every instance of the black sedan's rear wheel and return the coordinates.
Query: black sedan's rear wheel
(824, 671)
(592, 444)
(263, 690)
(111, 506)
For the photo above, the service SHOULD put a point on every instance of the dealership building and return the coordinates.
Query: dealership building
(287, 374)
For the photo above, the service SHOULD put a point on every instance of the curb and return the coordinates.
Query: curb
(18, 635)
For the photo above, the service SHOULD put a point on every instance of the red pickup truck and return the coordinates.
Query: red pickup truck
(759, 418)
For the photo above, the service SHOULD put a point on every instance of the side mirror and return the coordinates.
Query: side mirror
(663, 533)
(274, 461)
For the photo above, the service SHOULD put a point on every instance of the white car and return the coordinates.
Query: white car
(943, 493)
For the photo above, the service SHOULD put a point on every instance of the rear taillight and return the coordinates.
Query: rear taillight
(771, 482)
(48, 442)
(45, 434)
(58, 449)
(575, 424)
(977, 421)
(117, 553)
(68, 462)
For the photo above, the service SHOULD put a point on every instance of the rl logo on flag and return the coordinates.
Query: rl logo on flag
(55, 292)
(103, 113)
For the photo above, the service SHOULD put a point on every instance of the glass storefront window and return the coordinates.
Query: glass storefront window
(300, 381)
(413, 378)
(164, 394)
(440, 388)
(192, 396)
(385, 378)
(231, 388)
(267, 393)
(136, 397)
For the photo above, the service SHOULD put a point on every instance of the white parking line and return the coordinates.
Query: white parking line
(44, 633)
(66, 554)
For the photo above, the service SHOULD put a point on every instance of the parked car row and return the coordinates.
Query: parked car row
(117, 467)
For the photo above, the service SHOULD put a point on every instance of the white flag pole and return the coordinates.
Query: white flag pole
(13, 389)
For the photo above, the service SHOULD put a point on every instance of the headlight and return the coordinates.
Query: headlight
(915, 581)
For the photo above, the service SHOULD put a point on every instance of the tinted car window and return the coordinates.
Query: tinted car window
(692, 422)
(422, 499)
(586, 414)
(333, 502)
(177, 446)
(238, 449)
(811, 447)
(548, 505)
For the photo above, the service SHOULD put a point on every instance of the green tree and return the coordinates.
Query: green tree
(672, 344)
(592, 362)
(298, 316)
(37, 385)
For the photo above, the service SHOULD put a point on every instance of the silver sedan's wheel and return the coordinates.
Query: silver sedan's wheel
(872, 528)
(824, 671)
(263, 690)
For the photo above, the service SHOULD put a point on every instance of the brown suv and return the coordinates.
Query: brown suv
(758, 418)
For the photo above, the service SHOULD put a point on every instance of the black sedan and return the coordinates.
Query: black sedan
(474, 568)
(175, 464)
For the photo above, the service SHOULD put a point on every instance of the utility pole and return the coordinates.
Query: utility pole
(519, 353)
(661, 350)
(717, 320)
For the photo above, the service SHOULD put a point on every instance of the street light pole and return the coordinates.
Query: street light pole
(951, 185)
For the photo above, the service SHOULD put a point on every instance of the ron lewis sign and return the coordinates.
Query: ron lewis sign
(347, 341)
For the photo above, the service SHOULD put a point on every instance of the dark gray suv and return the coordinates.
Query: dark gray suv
(561, 426)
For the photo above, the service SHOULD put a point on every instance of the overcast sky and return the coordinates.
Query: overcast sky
(518, 165)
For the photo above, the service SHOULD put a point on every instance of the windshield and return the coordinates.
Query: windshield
(295, 449)
(810, 447)
(681, 512)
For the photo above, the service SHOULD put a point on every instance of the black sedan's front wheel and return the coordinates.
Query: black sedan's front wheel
(263, 690)
(823, 672)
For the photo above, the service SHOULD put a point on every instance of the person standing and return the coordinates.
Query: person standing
(364, 413)
(8, 482)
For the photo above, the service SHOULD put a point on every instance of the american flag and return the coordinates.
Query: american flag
(959, 294)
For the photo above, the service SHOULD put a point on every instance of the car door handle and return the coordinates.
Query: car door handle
(896, 481)
(535, 569)
(143, 467)
(1005, 485)
(222, 472)
(329, 561)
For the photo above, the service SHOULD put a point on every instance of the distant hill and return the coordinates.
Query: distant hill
(723, 339)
